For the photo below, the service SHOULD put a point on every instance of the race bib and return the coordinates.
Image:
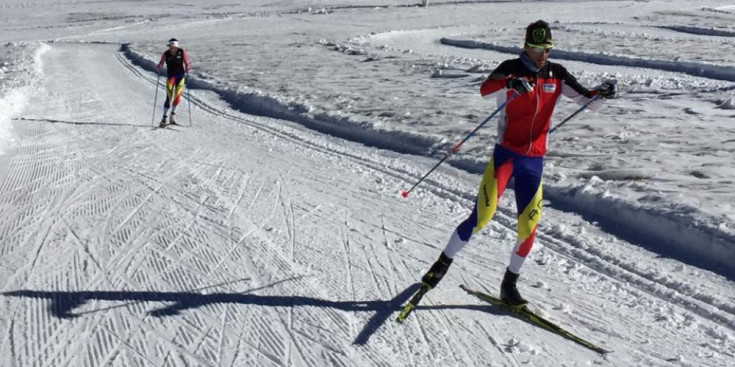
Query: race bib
(549, 88)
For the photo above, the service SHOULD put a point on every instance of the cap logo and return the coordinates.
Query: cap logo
(539, 35)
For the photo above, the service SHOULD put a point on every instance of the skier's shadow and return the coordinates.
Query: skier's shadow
(63, 303)
(54, 121)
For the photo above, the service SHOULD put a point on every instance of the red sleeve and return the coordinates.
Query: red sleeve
(490, 86)
(163, 58)
(186, 60)
(493, 84)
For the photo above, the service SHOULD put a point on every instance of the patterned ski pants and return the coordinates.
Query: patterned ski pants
(174, 88)
(527, 172)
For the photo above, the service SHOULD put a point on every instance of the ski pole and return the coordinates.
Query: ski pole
(456, 147)
(575, 113)
(188, 97)
(155, 100)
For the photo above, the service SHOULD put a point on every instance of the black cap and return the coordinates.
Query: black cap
(538, 33)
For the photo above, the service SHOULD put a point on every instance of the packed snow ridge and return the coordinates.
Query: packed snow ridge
(685, 67)
(19, 75)
(699, 31)
(257, 103)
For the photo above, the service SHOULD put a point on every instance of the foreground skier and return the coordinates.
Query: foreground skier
(531, 86)
(177, 69)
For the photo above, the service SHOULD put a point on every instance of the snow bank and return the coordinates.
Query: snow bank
(675, 232)
(11, 103)
(727, 104)
(687, 67)
(699, 31)
(728, 9)
(20, 71)
(257, 103)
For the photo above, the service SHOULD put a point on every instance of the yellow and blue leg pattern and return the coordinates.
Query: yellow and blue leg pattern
(174, 88)
(503, 165)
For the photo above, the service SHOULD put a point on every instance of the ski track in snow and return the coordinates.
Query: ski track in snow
(161, 203)
(232, 243)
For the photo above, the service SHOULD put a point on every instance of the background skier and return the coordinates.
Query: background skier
(532, 86)
(177, 69)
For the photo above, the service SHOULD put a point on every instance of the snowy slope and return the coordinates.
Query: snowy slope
(249, 240)
(387, 77)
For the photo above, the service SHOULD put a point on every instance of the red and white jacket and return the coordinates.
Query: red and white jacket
(525, 120)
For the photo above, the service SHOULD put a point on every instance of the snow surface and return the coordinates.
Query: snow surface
(271, 231)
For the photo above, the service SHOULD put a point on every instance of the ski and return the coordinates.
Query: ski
(412, 303)
(533, 318)
(167, 126)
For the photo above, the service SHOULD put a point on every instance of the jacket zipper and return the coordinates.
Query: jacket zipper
(530, 132)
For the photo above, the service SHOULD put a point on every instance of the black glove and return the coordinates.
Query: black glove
(520, 85)
(608, 89)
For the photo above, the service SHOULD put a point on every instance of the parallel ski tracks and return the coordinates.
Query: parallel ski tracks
(505, 217)
(696, 303)
(126, 231)
(25, 182)
(178, 241)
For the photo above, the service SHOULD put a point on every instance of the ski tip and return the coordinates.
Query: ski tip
(407, 309)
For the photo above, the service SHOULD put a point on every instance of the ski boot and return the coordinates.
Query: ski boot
(436, 272)
(163, 122)
(508, 291)
(172, 120)
(428, 281)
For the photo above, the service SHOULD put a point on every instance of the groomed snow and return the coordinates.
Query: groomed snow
(271, 232)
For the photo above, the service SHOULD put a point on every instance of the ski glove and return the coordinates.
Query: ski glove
(608, 89)
(520, 85)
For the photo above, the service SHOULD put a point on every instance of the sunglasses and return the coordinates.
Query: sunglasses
(540, 49)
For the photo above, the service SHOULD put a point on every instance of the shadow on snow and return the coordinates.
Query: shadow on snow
(53, 121)
(63, 303)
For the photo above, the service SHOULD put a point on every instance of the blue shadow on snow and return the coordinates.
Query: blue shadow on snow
(63, 303)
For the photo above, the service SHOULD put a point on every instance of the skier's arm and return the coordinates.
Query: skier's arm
(186, 60)
(494, 83)
(497, 81)
(571, 88)
(160, 63)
